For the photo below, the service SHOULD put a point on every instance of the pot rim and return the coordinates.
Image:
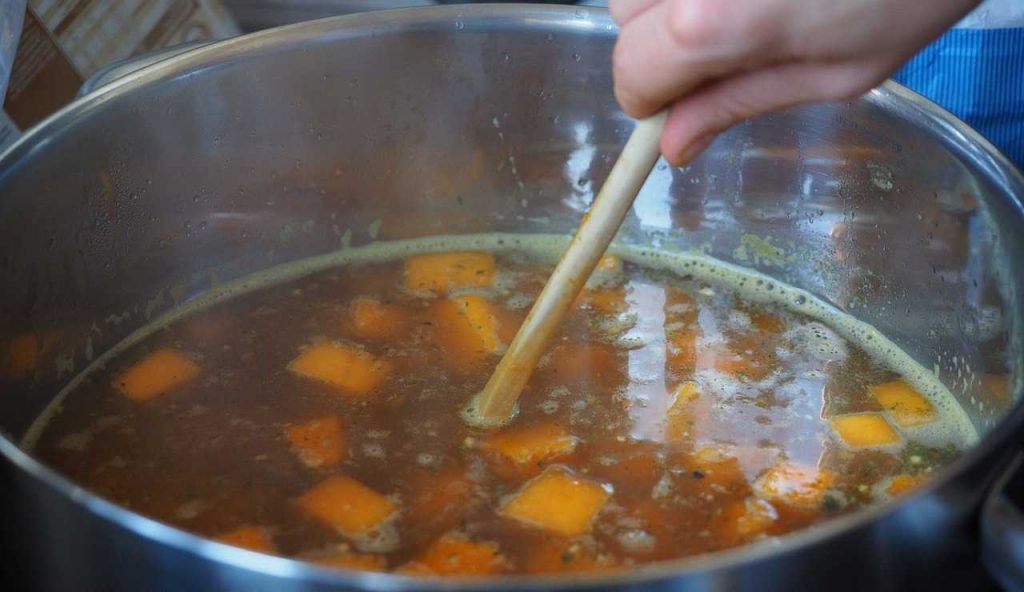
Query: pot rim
(896, 99)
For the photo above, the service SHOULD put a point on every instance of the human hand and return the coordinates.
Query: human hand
(715, 63)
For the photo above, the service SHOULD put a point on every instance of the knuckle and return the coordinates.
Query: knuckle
(691, 23)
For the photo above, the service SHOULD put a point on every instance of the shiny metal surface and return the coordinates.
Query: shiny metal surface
(264, 149)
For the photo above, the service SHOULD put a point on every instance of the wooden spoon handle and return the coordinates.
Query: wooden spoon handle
(495, 404)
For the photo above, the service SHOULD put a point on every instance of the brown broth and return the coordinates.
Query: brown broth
(752, 455)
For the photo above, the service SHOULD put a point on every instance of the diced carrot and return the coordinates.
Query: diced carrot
(864, 430)
(745, 519)
(249, 537)
(557, 501)
(438, 499)
(318, 443)
(576, 363)
(455, 555)
(680, 420)
(685, 393)
(467, 329)
(440, 273)
(793, 484)
(903, 483)
(717, 467)
(348, 369)
(344, 557)
(156, 374)
(565, 556)
(375, 320)
(531, 444)
(347, 505)
(907, 406)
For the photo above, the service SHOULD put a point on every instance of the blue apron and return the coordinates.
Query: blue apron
(977, 74)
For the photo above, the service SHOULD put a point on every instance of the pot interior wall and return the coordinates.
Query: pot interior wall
(296, 143)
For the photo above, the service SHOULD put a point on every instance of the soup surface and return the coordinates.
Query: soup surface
(319, 418)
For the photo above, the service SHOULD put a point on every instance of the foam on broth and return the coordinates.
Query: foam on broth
(720, 298)
(955, 427)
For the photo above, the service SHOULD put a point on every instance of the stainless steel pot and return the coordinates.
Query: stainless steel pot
(227, 159)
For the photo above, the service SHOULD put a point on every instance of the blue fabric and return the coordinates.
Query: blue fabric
(977, 74)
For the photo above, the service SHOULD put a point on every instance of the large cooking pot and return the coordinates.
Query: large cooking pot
(299, 141)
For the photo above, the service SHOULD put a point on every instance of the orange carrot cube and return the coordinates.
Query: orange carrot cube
(440, 273)
(745, 519)
(318, 443)
(907, 406)
(375, 320)
(467, 327)
(864, 430)
(347, 505)
(717, 467)
(531, 444)
(680, 419)
(793, 484)
(348, 369)
(249, 537)
(156, 374)
(455, 555)
(901, 484)
(557, 501)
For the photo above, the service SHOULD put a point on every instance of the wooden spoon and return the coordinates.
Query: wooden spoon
(496, 403)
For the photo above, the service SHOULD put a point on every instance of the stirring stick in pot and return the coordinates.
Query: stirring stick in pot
(495, 404)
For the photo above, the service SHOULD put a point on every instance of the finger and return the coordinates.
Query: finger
(676, 46)
(624, 11)
(694, 120)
